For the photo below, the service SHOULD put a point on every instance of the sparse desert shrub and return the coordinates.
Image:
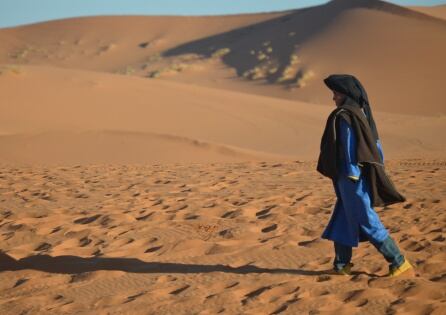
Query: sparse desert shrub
(144, 44)
(254, 73)
(272, 70)
(10, 69)
(127, 70)
(303, 77)
(154, 74)
(290, 70)
(221, 52)
(261, 56)
(171, 69)
(287, 74)
(294, 59)
(176, 67)
(189, 57)
(154, 58)
(261, 71)
(106, 48)
(21, 53)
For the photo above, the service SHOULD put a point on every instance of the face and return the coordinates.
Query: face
(338, 98)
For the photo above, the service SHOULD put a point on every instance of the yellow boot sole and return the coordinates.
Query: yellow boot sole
(401, 269)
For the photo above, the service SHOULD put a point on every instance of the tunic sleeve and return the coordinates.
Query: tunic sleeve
(349, 147)
(380, 149)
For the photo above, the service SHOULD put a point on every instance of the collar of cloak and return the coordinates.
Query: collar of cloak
(383, 192)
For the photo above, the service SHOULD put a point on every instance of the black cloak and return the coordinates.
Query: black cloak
(356, 111)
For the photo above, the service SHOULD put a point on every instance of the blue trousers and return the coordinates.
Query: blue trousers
(388, 248)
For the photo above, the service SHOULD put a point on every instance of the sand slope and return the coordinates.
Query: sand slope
(110, 43)
(284, 54)
(72, 116)
(438, 11)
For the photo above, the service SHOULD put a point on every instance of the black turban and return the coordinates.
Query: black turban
(356, 95)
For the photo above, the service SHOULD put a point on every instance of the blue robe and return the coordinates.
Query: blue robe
(353, 218)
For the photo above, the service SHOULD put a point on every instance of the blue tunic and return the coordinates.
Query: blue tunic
(353, 218)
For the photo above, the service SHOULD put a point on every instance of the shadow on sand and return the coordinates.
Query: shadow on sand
(75, 265)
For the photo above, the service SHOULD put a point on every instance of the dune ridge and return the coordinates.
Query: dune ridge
(283, 54)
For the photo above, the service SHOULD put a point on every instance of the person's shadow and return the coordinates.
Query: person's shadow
(75, 265)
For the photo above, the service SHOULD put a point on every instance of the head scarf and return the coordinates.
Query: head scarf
(355, 95)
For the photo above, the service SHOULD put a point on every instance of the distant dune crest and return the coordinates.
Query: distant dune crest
(247, 82)
(381, 6)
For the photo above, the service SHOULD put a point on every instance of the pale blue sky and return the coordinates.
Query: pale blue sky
(16, 12)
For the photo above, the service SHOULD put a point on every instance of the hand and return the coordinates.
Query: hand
(354, 179)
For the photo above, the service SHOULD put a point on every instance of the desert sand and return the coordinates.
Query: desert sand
(166, 165)
(228, 238)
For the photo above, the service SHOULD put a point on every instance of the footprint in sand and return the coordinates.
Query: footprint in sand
(303, 197)
(179, 290)
(253, 294)
(20, 282)
(145, 217)
(191, 216)
(439, 238)
(153, 249)
(81, 196)
(239, 202)
(284, 307)
(166, 278)
(84, 241)
(84, 276)
(97, 253)
(56, 229)
(308, 243)
(134, 297)
(265, 213)
(43, 247)
(6, 214)
(209, 204)
(440, 278)
(87, 220)
(179, 207)
(232, 285)
(323, 278)
(226, 234)
(269, 228)
(16, 227)
(231, 214)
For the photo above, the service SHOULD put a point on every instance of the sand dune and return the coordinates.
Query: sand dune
(110, 43)
(438, 11)
(118, 147)
(166, 165)
(371, 39)
(82, 116)
(284, 54)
